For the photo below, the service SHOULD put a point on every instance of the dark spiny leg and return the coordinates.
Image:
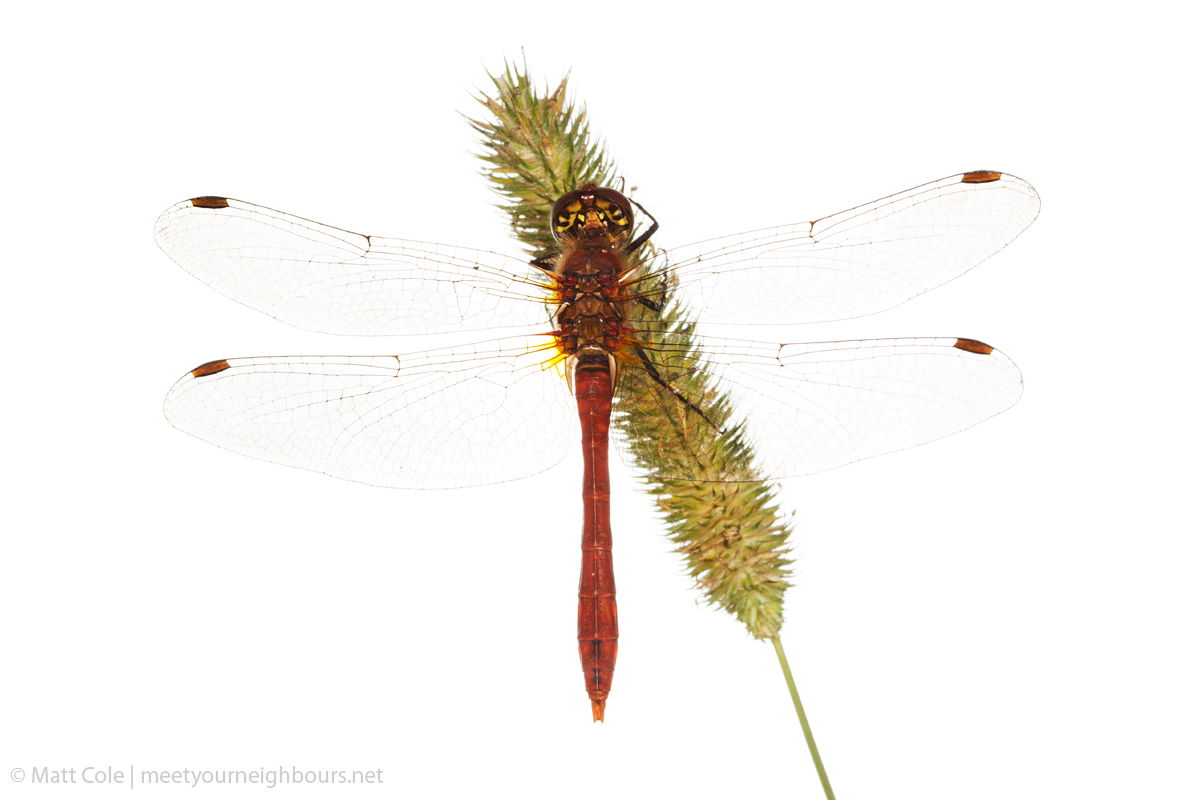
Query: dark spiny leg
(654, 376)
(633, 246)
(656, 306)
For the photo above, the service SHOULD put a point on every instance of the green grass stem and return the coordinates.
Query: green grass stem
(808, 734)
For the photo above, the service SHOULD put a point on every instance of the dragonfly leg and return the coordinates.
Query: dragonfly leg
(656, 306)
(670, 387)
(636, 244)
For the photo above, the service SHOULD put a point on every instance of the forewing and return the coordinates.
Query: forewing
(326, 279)
(805, 408)
(859, 262)
(458, 416)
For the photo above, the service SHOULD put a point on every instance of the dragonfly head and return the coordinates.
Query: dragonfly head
(592, 213)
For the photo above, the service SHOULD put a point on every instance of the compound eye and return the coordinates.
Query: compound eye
(613, 211)
(567, 217)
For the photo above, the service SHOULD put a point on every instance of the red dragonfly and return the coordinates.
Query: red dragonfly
(502, 409)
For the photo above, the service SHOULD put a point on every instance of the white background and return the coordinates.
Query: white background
(1008, 612)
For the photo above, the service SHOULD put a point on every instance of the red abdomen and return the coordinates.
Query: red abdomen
(597, 590)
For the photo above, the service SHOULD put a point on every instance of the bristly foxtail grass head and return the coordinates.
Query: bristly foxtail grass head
(725, 523)
(537, 150)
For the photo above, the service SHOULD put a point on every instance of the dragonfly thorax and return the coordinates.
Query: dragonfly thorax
(591, 311)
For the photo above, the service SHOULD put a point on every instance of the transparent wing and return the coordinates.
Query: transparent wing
(325, 279)
(805, 408)
(859, 262)
(453, 417)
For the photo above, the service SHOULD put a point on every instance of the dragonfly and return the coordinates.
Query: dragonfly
(585, 334)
